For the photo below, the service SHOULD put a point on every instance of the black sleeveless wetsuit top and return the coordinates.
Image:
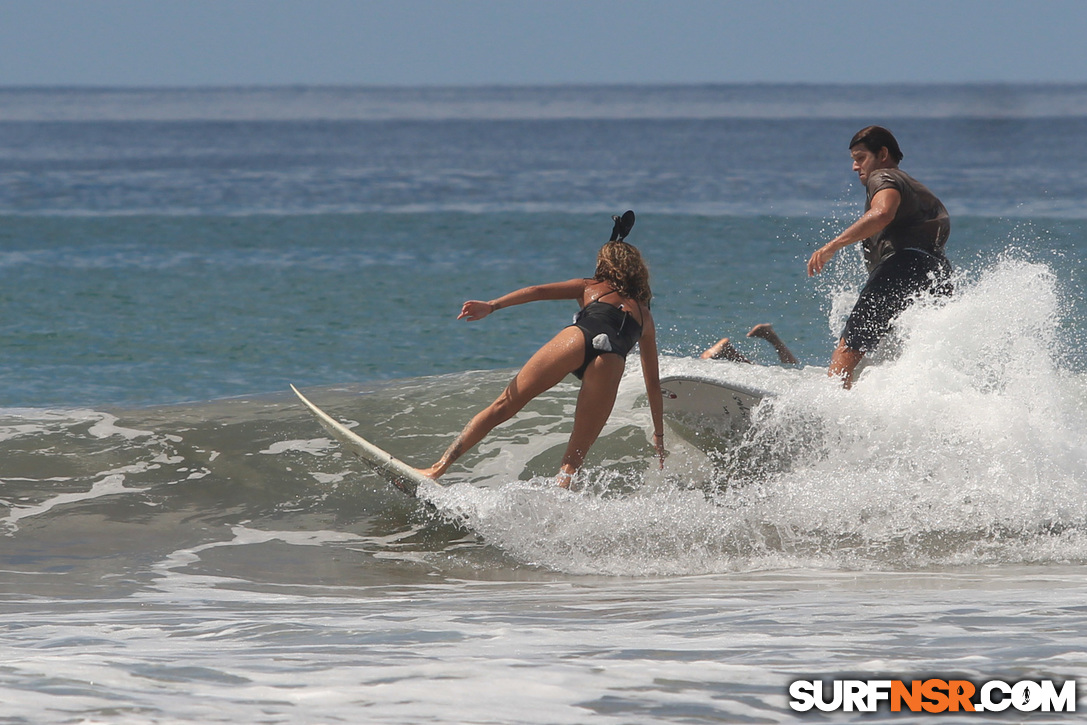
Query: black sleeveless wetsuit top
(607, 328)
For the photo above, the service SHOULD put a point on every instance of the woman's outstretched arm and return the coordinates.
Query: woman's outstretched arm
(569, 290)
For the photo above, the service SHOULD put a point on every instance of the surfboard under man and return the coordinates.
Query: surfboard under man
(903, 231)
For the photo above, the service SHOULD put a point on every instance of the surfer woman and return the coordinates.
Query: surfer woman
(614, 317)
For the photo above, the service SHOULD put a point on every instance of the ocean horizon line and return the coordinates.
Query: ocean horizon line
(530, 86)
(752, 101)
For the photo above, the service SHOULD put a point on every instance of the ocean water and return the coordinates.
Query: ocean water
(180, 542)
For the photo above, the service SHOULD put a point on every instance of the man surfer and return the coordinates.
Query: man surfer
(903, 230)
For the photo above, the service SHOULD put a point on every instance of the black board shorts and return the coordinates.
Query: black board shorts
(891, 288)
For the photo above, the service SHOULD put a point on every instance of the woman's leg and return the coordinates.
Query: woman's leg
(594, 404)
(545, 369)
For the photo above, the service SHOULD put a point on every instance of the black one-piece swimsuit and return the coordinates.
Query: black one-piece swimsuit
(607, 328)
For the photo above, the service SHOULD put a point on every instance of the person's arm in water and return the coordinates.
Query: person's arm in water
(723, 349)
(879, 215)
(569, 290)
(766, 332)
(647, 348)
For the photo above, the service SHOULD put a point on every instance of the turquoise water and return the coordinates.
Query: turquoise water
(142, 310)
(179, 541)
(160, 246)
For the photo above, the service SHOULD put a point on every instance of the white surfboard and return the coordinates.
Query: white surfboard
(392, 469)
(702, 403)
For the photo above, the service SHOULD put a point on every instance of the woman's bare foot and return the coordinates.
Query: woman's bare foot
(433, 473)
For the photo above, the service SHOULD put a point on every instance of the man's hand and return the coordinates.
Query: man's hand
(884, 206)
(819, 259)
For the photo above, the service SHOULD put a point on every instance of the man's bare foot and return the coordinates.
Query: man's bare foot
(723, 350)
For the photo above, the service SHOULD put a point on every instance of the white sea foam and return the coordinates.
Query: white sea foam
(314, 446)
(109, 484)
(969, 447)
(35, 421)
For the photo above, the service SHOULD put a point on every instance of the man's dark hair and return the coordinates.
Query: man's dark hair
(874, 138)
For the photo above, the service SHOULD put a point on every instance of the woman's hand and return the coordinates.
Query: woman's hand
(476, 310)
(658, 443)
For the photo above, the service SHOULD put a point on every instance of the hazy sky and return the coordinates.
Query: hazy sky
(472, 42)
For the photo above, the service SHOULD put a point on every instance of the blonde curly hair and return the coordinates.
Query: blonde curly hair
(620, 264)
